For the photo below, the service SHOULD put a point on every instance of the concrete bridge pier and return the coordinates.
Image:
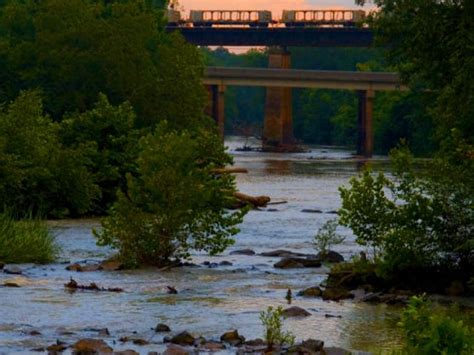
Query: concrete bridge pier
(365, 143)
(216, 107)
(278, 123)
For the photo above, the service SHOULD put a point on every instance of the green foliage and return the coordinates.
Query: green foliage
(417, 220)
(431, 331)
(272, 320)
(106, 135)
(327, 237)
(367, 210)
(37, 174)
(26, 241)
(74, 50)
(174, 203)
(430, 43)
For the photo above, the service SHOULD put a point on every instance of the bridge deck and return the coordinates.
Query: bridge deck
(277, 36)
(302, 78)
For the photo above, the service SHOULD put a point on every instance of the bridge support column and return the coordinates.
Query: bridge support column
(365, 144)
(278, 124)
(216, 107)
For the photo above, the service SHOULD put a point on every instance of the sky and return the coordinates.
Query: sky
(275, 6)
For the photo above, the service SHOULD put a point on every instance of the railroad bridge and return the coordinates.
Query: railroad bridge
(279, 78)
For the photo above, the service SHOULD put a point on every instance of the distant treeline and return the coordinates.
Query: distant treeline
(328, 117)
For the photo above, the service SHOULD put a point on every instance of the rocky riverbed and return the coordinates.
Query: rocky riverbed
(216, 294)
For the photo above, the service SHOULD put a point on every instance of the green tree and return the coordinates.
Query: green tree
(107, 137)
(175, 203)
(37, 174)
(430, 43)
(272, 320)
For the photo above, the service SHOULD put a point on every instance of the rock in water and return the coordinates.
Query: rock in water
(175, 350)
(243, 252)
(233, 338)
(162, 328)
(295, 312)
(2, 264)
(336, 294)
(292, 263)
(183, 338)
(282, 253)
(91, 346)
(310, 346)
(330, 257)
(311, 292)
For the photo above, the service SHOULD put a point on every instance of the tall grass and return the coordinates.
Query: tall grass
(26, 241)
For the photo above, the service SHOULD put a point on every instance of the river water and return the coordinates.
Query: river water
(210, 300)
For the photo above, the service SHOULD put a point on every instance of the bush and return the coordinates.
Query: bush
(274, 334)
(431, 331)
(174, 203)
(26, 241)
(419, 219)
(106, 136)
(327, 236)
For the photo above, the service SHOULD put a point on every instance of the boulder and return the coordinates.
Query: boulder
(91, 346)
(255, 342)
(12, 270)
(2, 264)
(336, 294)
(183, 338)
(126, 352)
(330, 257)
(292, 263)
(233, 338)
(295, 312)
(175, 350)
(281, 253)
(160, 328)
(225, 263)
(311, 292)
(242, 252)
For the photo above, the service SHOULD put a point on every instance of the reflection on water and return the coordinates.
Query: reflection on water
(210, 300)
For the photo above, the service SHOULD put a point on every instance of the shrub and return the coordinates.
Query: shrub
(417, 220)
(26, 241)
(431, 331)
(174, 203)
(327, 236)
(272, 320)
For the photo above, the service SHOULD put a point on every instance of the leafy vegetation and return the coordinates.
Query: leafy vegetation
(26, 241)
(38, 174)
(430, 330)
(416, 220)
(272, 320)
(327, 237)
(174, 203)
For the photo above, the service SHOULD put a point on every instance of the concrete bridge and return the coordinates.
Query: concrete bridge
(278, 123)
(277, 36)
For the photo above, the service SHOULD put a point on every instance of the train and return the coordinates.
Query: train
(264, 18)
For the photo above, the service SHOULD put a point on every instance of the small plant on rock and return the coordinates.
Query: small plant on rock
(327, 237)
(272, 320)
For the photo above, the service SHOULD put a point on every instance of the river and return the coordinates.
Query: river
(210, 300)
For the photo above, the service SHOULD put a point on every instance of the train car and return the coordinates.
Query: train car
(307, 18)
(174, 17)
(251, 18)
